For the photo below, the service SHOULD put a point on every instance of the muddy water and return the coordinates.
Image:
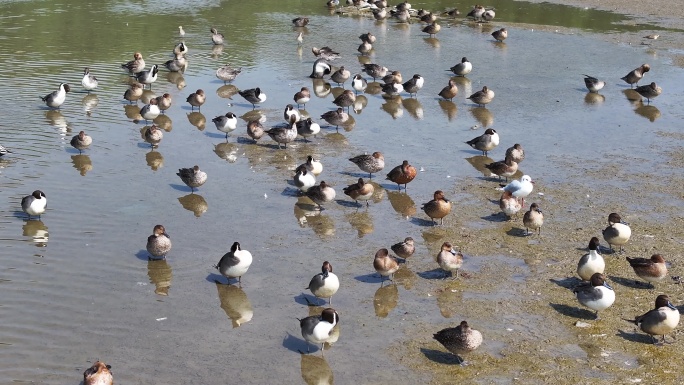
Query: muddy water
(77, 285)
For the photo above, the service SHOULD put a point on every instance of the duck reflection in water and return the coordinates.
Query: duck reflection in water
(235, 303)
(198, 120)
(362, 222)
(195, 203)
(315, 370)
(227, 151)
(480, 162)
(649, 112)
(82, 163)
(154, 160)
(37, 231)
(385, 300)
(402, 203)
(449, 108)
(160, 274)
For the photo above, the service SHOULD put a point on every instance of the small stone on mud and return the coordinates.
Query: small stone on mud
(581, 324)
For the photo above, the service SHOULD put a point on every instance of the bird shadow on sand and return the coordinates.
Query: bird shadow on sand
(441, 357)
(572, 311)
(370, 278)
(295, 344)
(310, 300)
(568, 283)
(433, 274)
(291, 192)
(216, 135)
(518, 232)
(144, 255)
(242, 140)
(496, 217)
(627, 282)
(179, 187)
(216, 278)
(424, 222)
(635, 337)
(363, 175)
(346, 203)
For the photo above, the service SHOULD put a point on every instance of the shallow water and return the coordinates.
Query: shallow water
(77, 285)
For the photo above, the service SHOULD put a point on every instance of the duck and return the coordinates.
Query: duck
(181, 31)
(403, 15)
(650, 270)
(178, 64)
(432, 29)
(284, 134)
(133, 93)
(235, 263)
(413, 85)
(379, 13)
(463, 68)
(81, 141)
(597, 296)
(307, 127)
(385, 264)
(318, 329)
(393, 77)
(533, 219)
(255, 130)
(228, 73)
(500, 35)
(617, 233)
(485, 142)
(374, 70)
(216, 37)
(35, 204)
(302, 97)
(4, 150)
(196, 99)
(635, 75)
(488, 15)
(300, 21)
(340, 76)
(192, 177)
(485, 96)
(427, 17)
(659, 321)
(136, 65)
(516, 152)
(336, 118)
(393, 88)
(304, 179)
(320, 68)
(312, 165)
(593, 84)
(476, 13)
(450, 91)
(345, 99)
(291, 112)
(459, 340)
(439, 207)
(360, 191)
(449, 259)
(649, 91)
(180, 49)
(226, 123)
(402, 174)
(404, 249)
(368, 37)
(150, 111)
(509, 205)
(56, 98)
(506, 168)
(359, 84)
(374, 162)
(324, 284)
(326, 53)
(153, 135)
(521, 189)
(592, 262)
(147, 76)
(254, 96)
(159, 243)
(89, 82)
(164, 102)
(320, 194)
(98, 374)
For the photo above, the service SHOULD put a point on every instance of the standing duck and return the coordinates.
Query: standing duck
(402, 174)
(439, 207)
(324, 284)
(459, 340)
(192, 177)
(235, 263)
